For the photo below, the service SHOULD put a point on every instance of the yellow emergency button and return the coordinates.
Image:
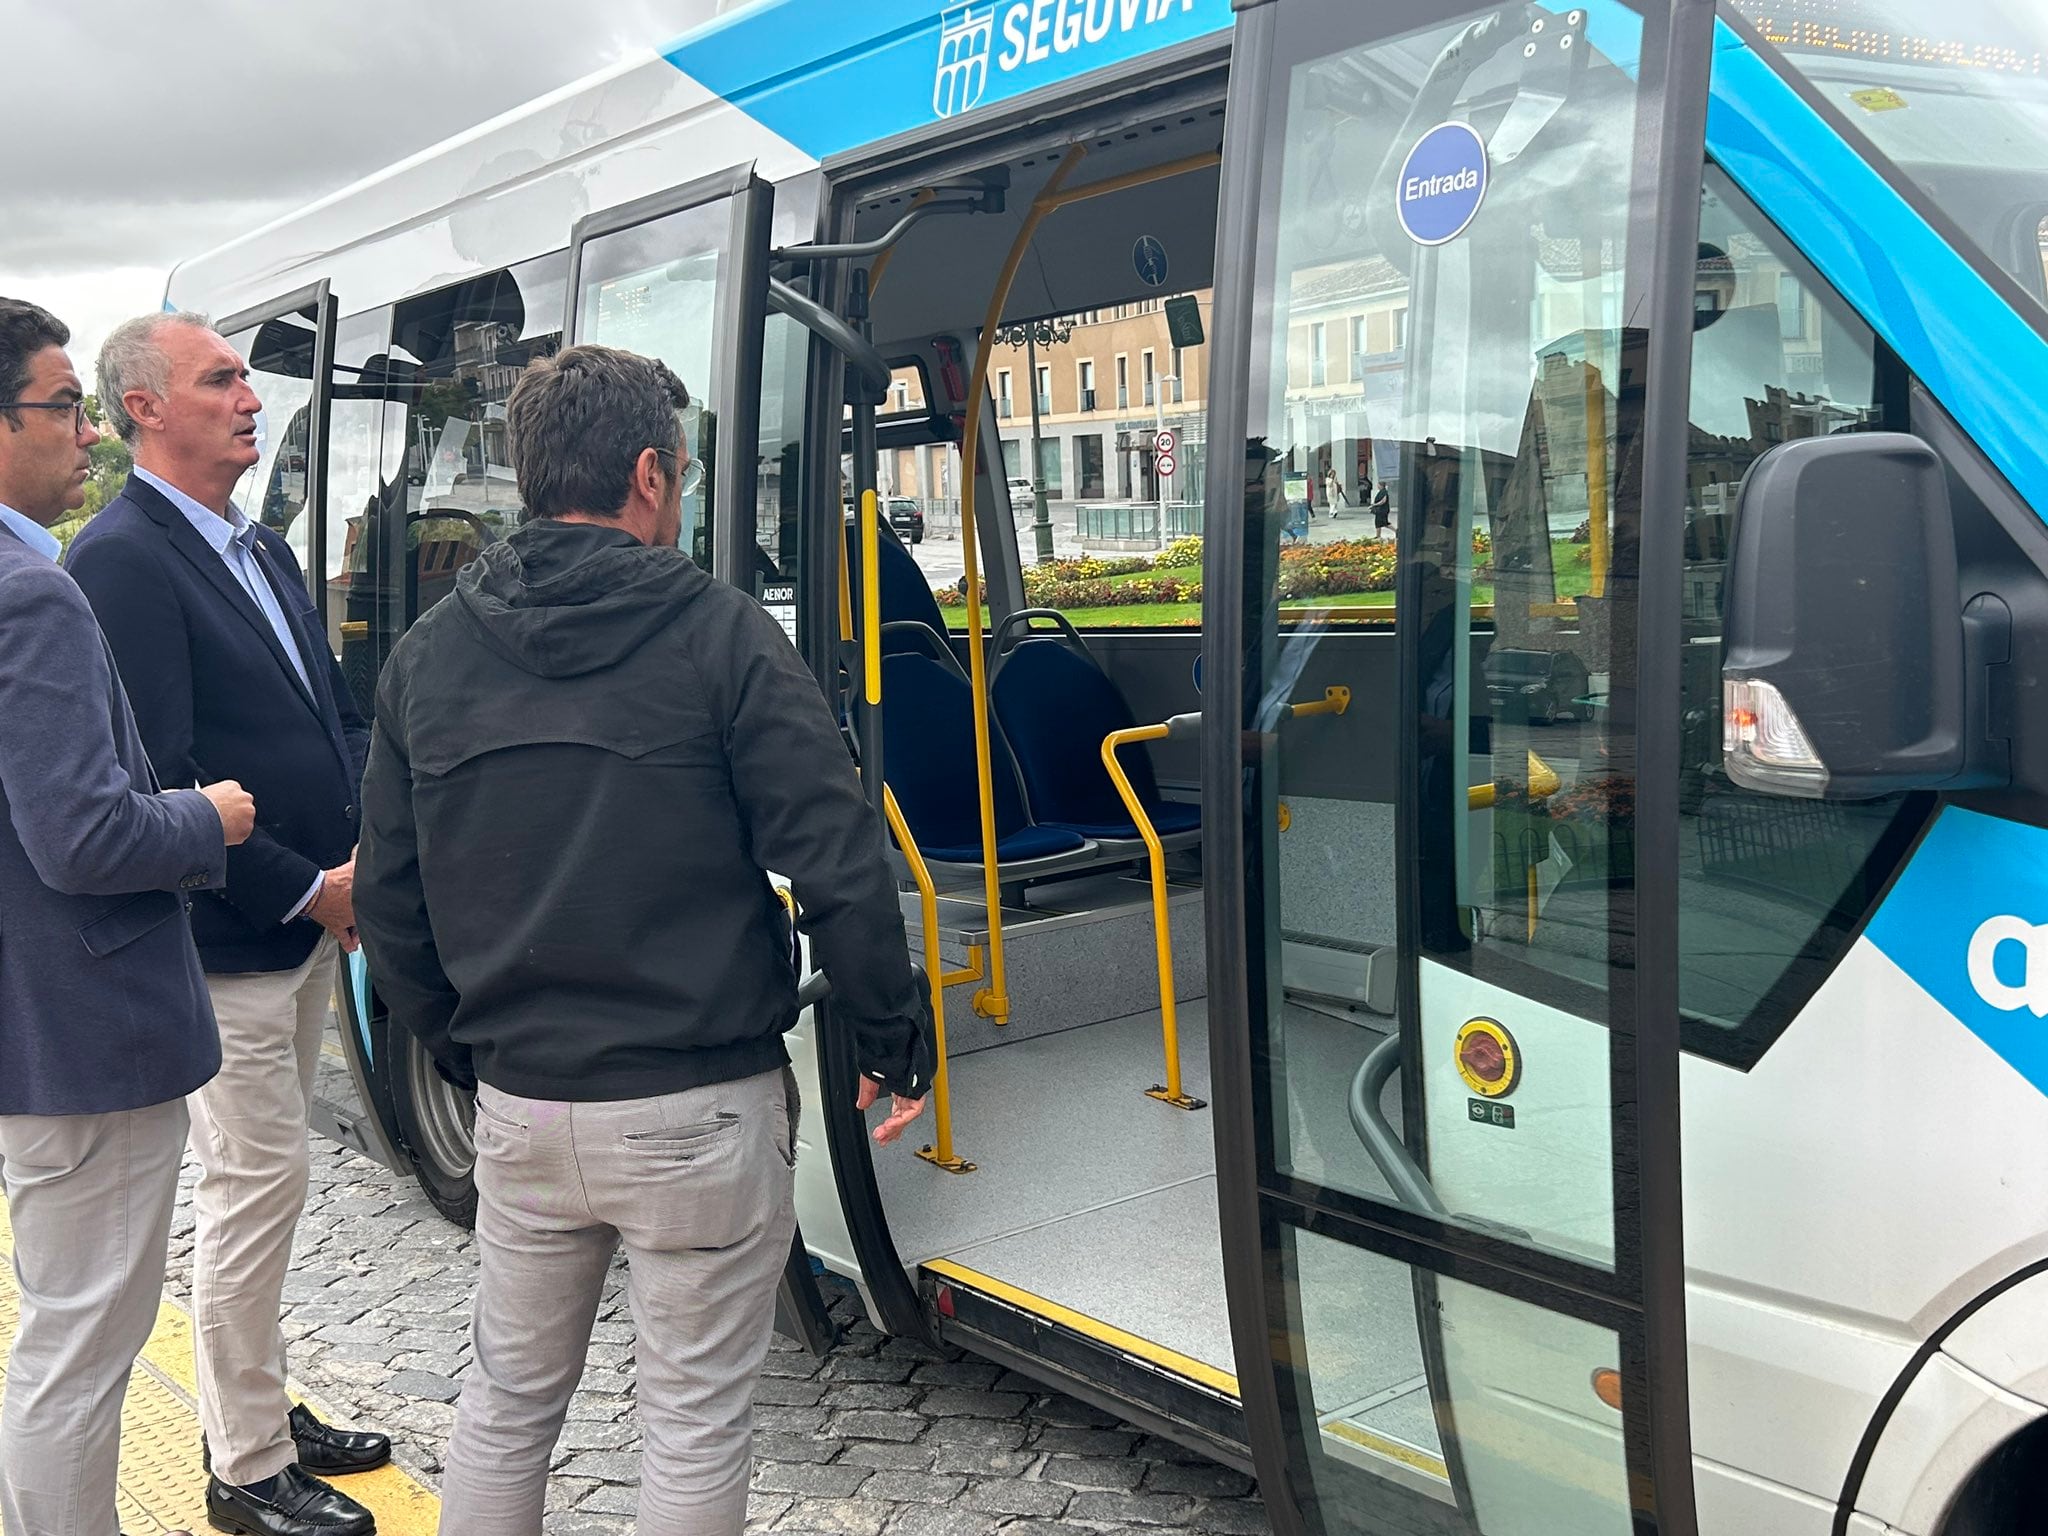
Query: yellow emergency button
(1488, 1059)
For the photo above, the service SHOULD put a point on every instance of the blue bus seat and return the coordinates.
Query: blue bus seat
(1056, 706)
(906, 594)
(928, 750)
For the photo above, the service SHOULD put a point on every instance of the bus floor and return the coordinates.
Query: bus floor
(1090, 1196)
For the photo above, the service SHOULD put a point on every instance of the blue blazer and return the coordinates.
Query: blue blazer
(102, 1004)
(217, 698)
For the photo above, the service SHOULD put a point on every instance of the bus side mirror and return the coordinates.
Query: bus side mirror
(1847, 671)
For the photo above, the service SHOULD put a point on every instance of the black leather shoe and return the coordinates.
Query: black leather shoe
(299, 1505)
(335, 1452)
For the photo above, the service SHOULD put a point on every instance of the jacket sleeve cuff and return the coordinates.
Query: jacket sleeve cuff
(898, 1054)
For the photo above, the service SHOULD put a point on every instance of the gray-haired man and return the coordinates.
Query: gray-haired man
(582, 767)
(104, 1023)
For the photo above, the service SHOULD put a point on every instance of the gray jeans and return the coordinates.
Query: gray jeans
(699, 1187)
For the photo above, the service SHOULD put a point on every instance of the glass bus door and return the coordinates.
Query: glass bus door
(1435, 1241)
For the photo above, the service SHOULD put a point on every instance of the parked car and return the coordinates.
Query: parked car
(1542, 685)
(906, 516)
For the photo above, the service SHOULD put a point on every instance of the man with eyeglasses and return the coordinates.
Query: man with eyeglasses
(104, 1019)
(583, 767)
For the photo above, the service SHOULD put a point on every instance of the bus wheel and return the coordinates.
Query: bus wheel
(438, 1122)
(2003, 1496)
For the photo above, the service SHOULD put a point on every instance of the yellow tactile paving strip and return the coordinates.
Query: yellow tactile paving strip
(161, 1485)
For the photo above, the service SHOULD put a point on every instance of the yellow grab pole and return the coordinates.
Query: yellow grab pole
(992, 1001)
(845, 598)
(1596, 476)
(1168, 1092)
(871, 597)
(940, 1154)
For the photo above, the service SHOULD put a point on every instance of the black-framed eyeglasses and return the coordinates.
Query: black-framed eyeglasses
(75, 407)
(692, 471)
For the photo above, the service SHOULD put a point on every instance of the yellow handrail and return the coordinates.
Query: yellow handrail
(1335, 701)
(940, 1154)
(1543, 783)
(993, 1001)
(1168, 1092)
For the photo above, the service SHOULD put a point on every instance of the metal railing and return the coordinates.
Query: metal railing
(1137, 522)
(1087, 399)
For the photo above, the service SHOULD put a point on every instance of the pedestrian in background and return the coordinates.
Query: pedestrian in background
(583, 767)
(220, 648)
(104, 1019)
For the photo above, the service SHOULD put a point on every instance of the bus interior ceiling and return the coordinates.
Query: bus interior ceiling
(1086, 1192)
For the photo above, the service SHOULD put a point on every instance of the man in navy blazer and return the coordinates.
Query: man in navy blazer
(104, 1019)
(222, 652)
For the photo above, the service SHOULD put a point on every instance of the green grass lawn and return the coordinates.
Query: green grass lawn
(1571, 579)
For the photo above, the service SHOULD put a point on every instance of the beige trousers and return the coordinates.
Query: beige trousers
(249, 1134)
(90, 1199)
(699, 1188)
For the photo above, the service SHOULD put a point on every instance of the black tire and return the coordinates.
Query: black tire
(437, 1124)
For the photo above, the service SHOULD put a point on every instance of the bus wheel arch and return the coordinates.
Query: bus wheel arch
(1962, 1441)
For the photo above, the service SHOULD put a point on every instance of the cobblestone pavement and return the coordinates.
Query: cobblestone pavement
(883, 1437)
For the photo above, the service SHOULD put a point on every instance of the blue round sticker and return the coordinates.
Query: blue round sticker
(1442, 183)
(1149, 257)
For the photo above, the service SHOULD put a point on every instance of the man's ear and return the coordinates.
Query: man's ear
(143, 408)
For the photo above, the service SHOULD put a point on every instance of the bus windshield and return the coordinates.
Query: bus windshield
(1955, 95)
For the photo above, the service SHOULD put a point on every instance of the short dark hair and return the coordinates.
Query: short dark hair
(579, 422)
(25, 330)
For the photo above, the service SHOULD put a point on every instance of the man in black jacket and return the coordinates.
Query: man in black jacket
(581, 771)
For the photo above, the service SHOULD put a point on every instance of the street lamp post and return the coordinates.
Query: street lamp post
(1052, 333)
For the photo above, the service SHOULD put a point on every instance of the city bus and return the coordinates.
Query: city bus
(1524, 1026)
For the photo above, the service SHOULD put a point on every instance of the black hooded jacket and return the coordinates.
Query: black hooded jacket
(583, 764)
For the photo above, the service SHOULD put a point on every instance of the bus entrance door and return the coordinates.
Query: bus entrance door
(1435, 1240)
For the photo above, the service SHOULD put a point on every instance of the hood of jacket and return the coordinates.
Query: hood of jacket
(561, 599)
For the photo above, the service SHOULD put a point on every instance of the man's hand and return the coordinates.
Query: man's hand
(237, 811)
(901, 1110)
(335, 907)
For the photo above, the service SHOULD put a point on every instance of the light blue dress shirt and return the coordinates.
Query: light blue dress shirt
(233, 538)
(34, 535)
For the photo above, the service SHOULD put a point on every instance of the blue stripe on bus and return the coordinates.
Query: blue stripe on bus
(1981, 360)
(842, 74)
(1968, 921)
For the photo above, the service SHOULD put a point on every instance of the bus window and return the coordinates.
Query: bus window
(653, 289)
(1127, 539)
(778, 493)
(1955, 96)
(275, 491)
(365, 455)
(1771, 890)
(446, 486)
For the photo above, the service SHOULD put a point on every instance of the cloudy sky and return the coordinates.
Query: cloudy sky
(139, 133)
